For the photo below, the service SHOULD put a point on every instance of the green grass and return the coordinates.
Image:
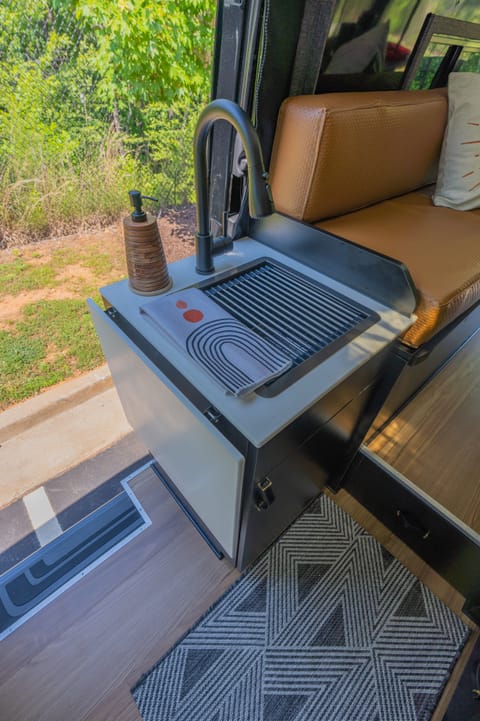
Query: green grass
(99, 263)
(19, 276)
(49, 341)
(52, 341)
(61, 257)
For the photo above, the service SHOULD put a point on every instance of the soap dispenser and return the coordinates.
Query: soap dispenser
(146, 264)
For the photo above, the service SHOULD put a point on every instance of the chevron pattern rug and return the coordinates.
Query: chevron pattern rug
(326, 626)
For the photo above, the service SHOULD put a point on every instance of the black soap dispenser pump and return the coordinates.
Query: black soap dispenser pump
(139, 215)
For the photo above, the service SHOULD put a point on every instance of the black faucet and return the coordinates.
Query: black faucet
(259, 195)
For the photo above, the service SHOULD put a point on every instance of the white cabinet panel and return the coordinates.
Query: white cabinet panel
(205, 467)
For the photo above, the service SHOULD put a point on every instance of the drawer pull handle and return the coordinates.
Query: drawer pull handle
(264, 495)
(411, 522)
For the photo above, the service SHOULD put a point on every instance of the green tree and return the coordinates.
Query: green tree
(95, 93)
(147, 51)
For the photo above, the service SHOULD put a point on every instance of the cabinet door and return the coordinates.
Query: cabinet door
(202, 464)
(446, 544)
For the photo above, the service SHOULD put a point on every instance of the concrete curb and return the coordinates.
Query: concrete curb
(58, 399)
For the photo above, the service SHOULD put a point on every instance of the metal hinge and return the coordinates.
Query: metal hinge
(212, 414)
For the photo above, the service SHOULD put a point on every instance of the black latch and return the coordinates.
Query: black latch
(263, 494)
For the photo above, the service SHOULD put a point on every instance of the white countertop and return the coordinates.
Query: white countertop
(259, 418)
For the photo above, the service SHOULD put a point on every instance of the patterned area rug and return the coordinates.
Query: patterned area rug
(327, 626)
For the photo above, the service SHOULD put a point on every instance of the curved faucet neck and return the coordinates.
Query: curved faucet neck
(259, 195)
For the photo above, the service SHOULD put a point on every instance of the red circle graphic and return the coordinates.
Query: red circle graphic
(181, 304)
(193, 315)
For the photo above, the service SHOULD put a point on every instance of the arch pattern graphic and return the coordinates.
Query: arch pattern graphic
(225, 348)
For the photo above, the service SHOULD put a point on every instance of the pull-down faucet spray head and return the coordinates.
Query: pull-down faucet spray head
(259, 195)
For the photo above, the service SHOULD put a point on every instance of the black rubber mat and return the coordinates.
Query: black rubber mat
(30, 583)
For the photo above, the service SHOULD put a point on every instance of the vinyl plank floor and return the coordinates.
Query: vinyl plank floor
(78, 658)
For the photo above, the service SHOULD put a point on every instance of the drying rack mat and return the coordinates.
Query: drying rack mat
(326, 625)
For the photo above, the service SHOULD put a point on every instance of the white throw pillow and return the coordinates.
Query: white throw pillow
(458, 181)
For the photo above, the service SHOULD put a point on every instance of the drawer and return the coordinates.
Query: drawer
(450, 547)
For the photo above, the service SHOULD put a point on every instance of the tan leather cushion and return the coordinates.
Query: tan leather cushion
(337, 152)
(439, 246)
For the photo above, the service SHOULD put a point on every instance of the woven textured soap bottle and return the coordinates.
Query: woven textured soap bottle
(146, 264)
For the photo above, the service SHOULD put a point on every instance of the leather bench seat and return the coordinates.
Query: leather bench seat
(439, 246)
(361, 166)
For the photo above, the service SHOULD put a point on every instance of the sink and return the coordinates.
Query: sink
(301, 318)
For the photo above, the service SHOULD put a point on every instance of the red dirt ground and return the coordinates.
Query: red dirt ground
(177, 230)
